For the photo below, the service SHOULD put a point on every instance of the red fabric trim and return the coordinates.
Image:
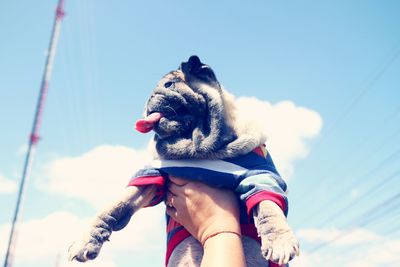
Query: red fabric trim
(172, 224)
(158, 181)
(177, 238)
(265, 195)
(259, 152)
(147, 180)
(158, 198)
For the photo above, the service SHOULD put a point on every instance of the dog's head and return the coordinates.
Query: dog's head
(190, 114)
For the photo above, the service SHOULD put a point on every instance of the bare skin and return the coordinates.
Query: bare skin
(205, 211)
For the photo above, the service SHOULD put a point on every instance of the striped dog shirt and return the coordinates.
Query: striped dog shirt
(253, 177)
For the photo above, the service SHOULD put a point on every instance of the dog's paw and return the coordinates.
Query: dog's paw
(279, 246)
(83, 251)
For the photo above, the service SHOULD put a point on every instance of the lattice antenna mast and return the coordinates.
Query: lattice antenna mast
(34, 136)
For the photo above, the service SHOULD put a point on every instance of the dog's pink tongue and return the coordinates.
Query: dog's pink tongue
(147, 124)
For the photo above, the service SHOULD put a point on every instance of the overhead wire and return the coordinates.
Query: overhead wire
(361, 221)
(345, 184)
(96, 114)
(364, 250)
(362, 179)
(363, 142)
(391, 58)
(63, 99)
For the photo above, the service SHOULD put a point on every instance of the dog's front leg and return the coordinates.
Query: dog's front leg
(113, 218)
(278, 243)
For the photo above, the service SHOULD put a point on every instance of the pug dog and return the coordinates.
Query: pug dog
(199, 136)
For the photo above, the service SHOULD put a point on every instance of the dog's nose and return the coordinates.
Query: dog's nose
(191, 65)
(194, 61)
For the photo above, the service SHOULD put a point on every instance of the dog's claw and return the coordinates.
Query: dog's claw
(269, 254)
(279, 247)
(297, 249)
(84, 251)
(85, 255)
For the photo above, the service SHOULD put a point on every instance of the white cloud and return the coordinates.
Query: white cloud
(288, 128)
(44, 239)
(6, 185)
(354, 236)
(97, 176)
(359, 247)
(96, 263)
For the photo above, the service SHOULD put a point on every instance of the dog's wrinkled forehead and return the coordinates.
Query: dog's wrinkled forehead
(193, 73)
(171, 78)
(184, 90)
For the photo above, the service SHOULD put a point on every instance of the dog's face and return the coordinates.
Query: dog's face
(186, 110)
(178, 104)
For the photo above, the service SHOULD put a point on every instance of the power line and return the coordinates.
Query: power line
(358, 181)
(377, 128)
(361, 248)
(363, 92)
(361, 221)
(396, 112)
(373, 189)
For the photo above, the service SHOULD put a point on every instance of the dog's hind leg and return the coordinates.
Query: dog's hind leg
(113, 218)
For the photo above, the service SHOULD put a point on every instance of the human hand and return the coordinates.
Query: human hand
(201, 209)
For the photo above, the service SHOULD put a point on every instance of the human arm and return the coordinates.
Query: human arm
(211, 216)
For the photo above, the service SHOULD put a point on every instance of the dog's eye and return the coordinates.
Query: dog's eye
(168, 84)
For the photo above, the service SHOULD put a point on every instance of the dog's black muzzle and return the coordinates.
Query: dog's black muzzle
(177, 119)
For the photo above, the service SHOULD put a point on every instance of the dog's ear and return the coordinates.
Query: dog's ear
(196, 71)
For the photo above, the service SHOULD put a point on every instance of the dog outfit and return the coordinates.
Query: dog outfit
(253, 177)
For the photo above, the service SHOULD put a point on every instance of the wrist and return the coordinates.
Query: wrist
(224, 250)
(222, 234)
(215, 227)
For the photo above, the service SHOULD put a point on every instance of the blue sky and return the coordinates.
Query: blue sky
(325, 77)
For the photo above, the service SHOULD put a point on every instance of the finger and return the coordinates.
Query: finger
(169, 195)
(172, 199)
(172, 212)
(178, 181)
(176, 190)
(168, 199)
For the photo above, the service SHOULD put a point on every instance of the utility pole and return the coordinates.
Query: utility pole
(34, 136)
